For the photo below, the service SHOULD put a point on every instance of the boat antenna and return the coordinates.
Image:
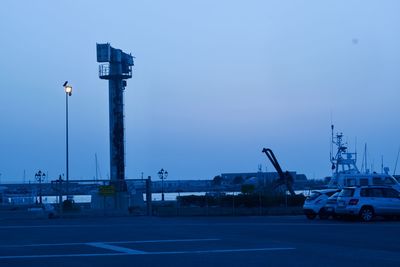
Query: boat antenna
(397, 159)
(364, 163)
(355, 148)
(95, 159)
(373, 165)
(330, 156)
(98, 170)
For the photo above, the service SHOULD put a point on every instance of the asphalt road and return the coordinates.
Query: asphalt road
(214, 241)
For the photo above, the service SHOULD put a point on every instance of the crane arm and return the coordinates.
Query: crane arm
(285, 178)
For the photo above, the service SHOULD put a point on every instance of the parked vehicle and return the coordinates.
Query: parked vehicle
(330, 207)
(367, 202)
(314, 204)
(46, 210)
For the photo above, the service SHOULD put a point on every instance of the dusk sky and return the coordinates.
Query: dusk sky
(214, 82)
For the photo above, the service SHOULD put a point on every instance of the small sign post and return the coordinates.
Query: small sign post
(106, 190)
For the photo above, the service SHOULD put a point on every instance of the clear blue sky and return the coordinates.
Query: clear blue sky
(214, 82)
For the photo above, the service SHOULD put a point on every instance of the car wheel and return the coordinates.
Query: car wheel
(366, 214)
(311, 216)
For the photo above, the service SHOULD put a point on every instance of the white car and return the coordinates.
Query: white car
(46, 210)
(369, 201)
(315, 202)
(330, 207)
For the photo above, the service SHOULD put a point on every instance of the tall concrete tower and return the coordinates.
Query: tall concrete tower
(116, 67)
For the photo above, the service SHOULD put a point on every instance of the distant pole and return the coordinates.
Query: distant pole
(66, 143)
(148, 196)
(163, 175)
(60, 192)
(39, 176)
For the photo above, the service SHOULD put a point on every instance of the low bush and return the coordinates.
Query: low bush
(242, 200)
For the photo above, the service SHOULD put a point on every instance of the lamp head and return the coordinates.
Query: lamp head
(68, 89)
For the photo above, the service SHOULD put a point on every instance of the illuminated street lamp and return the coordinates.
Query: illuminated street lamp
(163, 175)
(68, 92)
(40, 176)
(68, 89)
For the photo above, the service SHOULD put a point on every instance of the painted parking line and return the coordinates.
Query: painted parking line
(207, 224)
(148, 253)
(114, 242)
(116, 248)
(60, 226)
(166, 241)
(221, 251)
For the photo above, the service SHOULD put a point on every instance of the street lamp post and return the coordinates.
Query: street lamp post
(40, 176)
(163, 175)
(68, 92)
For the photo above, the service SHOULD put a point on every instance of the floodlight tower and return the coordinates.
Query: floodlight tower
(117, 67)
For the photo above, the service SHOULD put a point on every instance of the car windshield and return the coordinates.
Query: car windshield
(329, 194)
(334, 196)
(347, 192)
(313, 195)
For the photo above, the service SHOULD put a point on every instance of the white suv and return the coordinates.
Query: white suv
(315, 202)
(369, 201)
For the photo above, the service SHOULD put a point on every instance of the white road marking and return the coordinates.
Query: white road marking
(146, 253)
(113, 242)
(207, 224)
(165, 241)
(221, 250)
(60, 226)
(116, 248)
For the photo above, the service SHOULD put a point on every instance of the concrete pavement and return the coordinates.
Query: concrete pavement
(199, 241)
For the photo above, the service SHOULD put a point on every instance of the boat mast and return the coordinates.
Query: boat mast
(95, 158)
(343, 160)
(366, 162)
(397, 159)
(364, 166)
(331, 158)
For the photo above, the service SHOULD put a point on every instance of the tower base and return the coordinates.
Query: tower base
(121, 203)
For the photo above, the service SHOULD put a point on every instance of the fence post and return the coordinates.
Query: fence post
(233, 201)
(148, 196)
